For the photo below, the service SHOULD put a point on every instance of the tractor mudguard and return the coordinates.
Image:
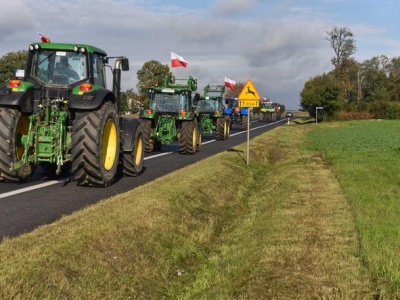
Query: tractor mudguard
(90, 100)
(128, 127)
(23, 100)
(189, 117)
(228, 111)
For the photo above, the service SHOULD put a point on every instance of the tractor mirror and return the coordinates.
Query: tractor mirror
(125, 64)
(196, 99)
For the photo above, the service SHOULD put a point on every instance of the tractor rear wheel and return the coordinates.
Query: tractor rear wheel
(189, 136)
(245, 122)
(227, 129)
(223, 129)
(132, 162)
(199, 137)
(219, 130)
(14, 125)
(229, 120)
(95, 145)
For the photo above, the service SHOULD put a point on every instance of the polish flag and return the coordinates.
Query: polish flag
(177, 61)
(230, 83)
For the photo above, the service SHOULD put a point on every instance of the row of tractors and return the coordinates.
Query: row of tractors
(178, 113)
(58, 115)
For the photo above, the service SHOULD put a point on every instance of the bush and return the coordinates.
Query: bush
(354, 115)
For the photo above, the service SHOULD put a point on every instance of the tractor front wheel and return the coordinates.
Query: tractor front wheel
(95, 145)
(132, 161)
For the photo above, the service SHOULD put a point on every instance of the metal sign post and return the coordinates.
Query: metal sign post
(248, 135)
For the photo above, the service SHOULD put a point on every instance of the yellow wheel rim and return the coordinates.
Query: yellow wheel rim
(138, 150)
(109, 144)
(194, 138)
(225, 129)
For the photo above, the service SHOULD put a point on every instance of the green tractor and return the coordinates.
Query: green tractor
(59, 114)
(212, 112)
(171, 116)
(271, 111)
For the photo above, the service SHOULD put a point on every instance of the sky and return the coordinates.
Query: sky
(277, 44)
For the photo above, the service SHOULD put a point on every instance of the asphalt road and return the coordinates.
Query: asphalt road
(42, 200)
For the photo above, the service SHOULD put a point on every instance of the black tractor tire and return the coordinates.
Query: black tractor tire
(244, 122)
(229, 120)
(132, 161)
(95, 145)
(146, 127)
(189, 137)
(14, 125)
(223, 129)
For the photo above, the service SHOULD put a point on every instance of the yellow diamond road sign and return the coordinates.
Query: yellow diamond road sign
(249, 96)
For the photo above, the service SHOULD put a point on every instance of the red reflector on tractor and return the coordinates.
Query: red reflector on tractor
(149, 111)
(86, 87)
(183, 112)
(14, 83)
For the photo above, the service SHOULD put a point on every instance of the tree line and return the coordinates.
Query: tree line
(352, 89)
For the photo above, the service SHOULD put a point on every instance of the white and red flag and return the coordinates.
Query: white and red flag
(230, 83)
(44, 38)
(178, 61)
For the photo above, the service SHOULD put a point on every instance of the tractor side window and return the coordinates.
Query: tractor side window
(41, 67)
(99, 76)
(184, 102)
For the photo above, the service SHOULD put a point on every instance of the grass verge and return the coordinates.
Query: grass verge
(218, 229)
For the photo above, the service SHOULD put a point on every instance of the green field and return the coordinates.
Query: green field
(315, 215)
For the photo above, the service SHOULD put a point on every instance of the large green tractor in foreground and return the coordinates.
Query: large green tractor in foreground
(212, 112)
(59, 114)
(171, 116)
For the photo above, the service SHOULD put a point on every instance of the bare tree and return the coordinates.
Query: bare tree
(343, 43)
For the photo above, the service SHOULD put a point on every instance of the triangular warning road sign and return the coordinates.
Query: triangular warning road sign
(249, 92)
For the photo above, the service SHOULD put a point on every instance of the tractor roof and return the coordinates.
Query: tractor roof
(179, 85)
(69, 47)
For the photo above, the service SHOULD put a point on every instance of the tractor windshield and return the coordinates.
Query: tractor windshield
(208, 105)
(234, 103)
(59, 67)
(167, 102)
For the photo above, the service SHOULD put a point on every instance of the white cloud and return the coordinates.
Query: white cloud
(277, 44)
(230, 7)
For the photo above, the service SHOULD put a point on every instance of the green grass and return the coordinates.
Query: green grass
(293, 224)
(365, 158)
